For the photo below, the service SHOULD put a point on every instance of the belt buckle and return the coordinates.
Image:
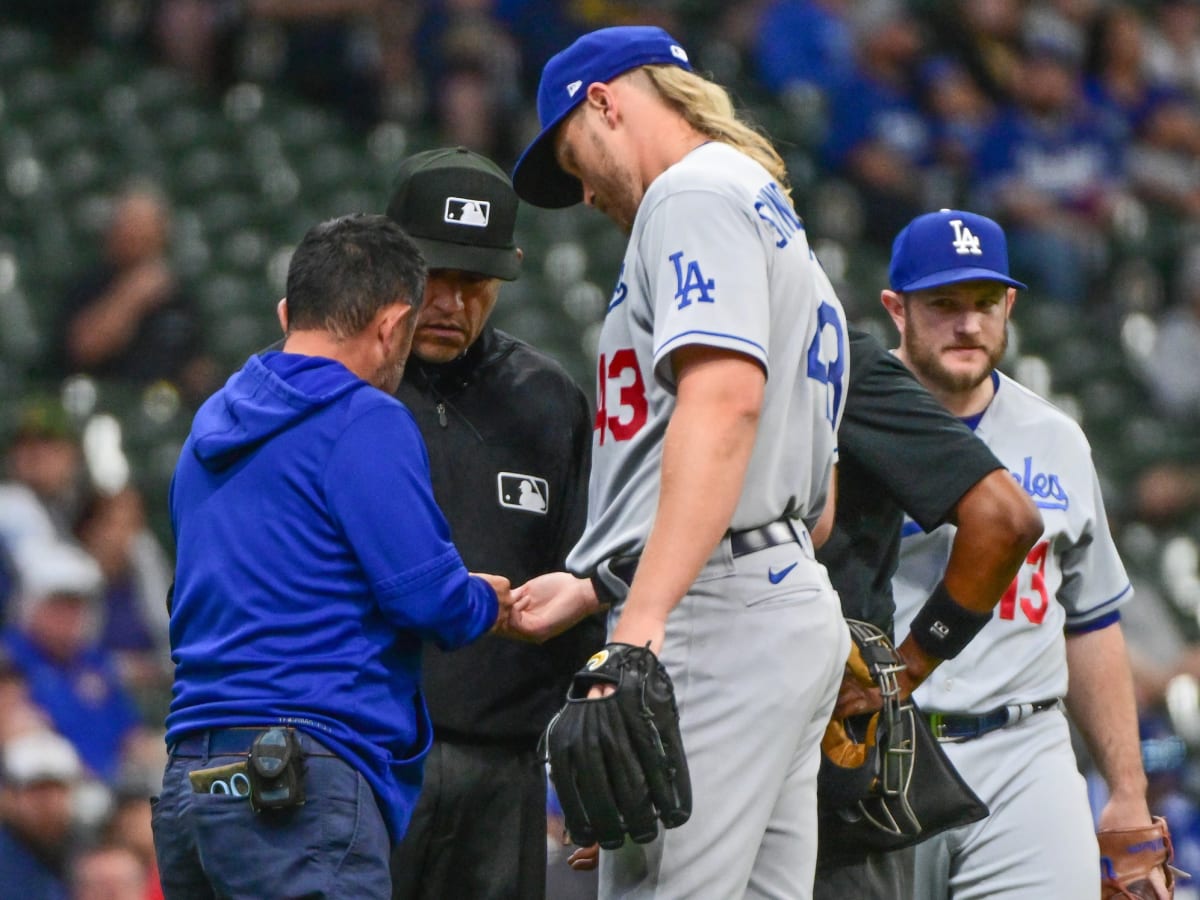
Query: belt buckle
(937, 722)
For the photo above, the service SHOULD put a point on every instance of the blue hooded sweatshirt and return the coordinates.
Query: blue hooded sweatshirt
(312, 561)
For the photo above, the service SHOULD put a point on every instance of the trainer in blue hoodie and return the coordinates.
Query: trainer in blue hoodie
(304, 588)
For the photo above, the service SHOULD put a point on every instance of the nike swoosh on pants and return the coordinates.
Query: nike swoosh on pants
(776, 577)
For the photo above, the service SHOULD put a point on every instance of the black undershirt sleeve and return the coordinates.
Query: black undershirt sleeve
(899, 451)
(923, 456)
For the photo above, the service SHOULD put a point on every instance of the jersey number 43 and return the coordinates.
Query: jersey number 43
(1029, 588)
(621, 408)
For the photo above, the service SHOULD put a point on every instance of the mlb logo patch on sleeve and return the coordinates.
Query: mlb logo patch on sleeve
(524, 492)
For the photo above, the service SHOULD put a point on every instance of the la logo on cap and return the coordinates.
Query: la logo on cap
(461, 211)
(965, 243)
(573, 87)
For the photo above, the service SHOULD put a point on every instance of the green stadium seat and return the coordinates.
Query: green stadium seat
(206, 169)
(32, 91)
(225, 293)
(245, 249)
(236, 336)
(21, 49)
(327, 167)
(162, 91)
(63, 128)
(352, 199)
(1045, 325)
(224, 211)
(302, 126)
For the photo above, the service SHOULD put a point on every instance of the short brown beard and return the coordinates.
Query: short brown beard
(927, 363)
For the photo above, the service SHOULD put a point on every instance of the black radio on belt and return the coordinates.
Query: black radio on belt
(276, 770)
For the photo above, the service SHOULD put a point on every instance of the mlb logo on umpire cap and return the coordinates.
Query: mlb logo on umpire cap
(948, 247)
(599, 56)
(460, 210)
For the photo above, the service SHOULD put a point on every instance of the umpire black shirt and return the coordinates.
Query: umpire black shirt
(899, 451)
(509, 437)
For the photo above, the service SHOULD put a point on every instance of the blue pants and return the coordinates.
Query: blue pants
(214, 845)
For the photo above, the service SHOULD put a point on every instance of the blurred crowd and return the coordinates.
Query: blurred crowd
(84, 668)
(1075, 123)
(1071, 121)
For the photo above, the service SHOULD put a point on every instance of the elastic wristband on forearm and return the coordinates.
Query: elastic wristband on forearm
(943, 626)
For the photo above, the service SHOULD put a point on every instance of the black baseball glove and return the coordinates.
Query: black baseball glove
(617, 762)
(884, 781)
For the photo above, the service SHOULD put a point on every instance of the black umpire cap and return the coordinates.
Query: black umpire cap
(460, 209)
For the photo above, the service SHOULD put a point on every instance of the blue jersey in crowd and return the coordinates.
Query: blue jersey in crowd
(84, 698)
(1067, 159)
(871, 111)
(25, 871)
(801, 42)
(312, 561)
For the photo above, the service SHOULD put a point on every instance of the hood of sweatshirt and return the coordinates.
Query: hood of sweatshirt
(270, 394)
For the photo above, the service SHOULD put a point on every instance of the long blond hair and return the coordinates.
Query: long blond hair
(708, 108)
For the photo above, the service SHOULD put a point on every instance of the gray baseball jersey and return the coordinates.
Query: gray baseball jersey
(717, 256)
(1026, 773)
(1071, 577)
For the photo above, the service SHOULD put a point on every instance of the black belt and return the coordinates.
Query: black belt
(234, 742)
(741, 543)
(950, 727)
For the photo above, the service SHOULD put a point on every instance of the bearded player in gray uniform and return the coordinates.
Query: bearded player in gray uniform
(996, 705)
(722, 369)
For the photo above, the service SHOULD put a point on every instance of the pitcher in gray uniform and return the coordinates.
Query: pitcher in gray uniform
(721, 374)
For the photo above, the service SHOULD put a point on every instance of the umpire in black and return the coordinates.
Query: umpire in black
(509, 438)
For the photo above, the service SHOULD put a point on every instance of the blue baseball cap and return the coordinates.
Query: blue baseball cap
(947, 247)
(598, 56)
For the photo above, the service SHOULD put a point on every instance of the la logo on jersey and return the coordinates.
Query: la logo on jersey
(965, 242)
(690, 280)
(527, 493)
